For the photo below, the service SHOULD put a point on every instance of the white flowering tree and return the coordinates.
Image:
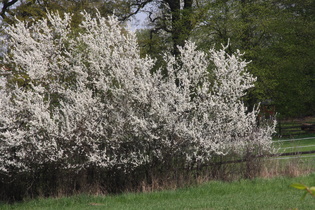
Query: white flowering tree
(89, 100)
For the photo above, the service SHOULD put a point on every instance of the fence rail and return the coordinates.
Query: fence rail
(277, 155)
(294, 128)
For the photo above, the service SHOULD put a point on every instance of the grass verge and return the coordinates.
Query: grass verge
(258, 193)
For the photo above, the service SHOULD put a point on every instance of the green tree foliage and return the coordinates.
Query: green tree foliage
(291, 58)
(153, 44)
(277, 36)
(32, 10)
(174, 19)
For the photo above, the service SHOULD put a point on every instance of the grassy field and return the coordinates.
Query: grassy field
(299, 145)
(245, 194)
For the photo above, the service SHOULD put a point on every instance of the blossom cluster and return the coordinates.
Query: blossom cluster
(87, 98)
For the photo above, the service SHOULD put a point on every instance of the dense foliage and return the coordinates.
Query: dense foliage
(88, 100)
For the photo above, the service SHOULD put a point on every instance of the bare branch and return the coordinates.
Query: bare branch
(5, 7)
(138, 5)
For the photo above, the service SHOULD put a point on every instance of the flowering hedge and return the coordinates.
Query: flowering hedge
(87, 98)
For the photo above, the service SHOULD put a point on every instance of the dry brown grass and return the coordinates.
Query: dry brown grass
(289, 168)
(264, 168)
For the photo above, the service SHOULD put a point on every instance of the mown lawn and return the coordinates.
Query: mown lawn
(245, 194)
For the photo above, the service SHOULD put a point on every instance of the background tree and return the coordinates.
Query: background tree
(174, 17)
(278, 37)
(32, 10)
(290, 58)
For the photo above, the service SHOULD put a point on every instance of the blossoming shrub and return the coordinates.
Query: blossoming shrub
(88, 100)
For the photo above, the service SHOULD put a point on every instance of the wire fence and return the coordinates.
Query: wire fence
(297, 153)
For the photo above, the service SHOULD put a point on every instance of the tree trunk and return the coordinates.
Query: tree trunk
(181, 22)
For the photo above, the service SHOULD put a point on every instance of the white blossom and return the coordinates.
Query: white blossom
(90, 99)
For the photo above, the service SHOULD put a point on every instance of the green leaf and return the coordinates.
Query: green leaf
(299, 186)
(303, 196)
(312, 189)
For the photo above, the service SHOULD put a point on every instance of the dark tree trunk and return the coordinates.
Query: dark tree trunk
(181, 22)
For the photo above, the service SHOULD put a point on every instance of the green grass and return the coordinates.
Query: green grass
(245, 194)
(296, 146)
(298, 149)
